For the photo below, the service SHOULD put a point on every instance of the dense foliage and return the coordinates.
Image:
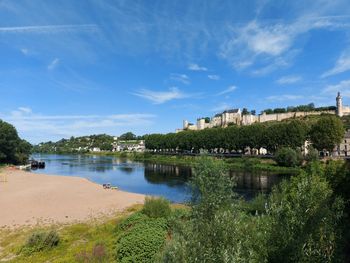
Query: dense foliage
(142, 235)
(326, 133)
(76, 144)
(305, 108)
(12, 148)
(156, 207)
(288, 157)
(303, 220)
(128, 136)
(270, 135)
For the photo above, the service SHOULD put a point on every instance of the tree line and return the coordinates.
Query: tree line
(13, 149)
(325, 134)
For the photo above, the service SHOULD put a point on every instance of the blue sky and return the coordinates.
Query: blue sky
(70, 68)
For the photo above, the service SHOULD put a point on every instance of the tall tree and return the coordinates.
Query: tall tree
(12, 148)
(127, 136)
(326, 133)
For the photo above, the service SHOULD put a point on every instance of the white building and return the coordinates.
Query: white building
(129, 146)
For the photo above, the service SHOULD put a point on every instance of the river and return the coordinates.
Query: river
(169, 181)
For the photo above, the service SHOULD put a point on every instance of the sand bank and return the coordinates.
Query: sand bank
(29, 199)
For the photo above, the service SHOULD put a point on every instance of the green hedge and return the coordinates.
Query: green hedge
(143, 239)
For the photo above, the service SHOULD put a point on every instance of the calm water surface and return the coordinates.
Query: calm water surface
(170, 181)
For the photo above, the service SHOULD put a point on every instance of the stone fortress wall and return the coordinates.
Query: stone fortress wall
(236, 117)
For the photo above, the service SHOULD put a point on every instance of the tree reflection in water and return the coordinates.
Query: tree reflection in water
(248, 183)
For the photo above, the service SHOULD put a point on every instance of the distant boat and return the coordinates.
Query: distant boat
(37, 164)
(25, 167)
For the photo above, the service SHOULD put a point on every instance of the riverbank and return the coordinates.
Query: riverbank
(76, 240)
(28, 199)
(239, 163)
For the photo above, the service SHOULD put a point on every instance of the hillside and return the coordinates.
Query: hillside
(76, 144)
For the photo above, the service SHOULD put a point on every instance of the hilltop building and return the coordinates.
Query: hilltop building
(236, 117)
(129, 146)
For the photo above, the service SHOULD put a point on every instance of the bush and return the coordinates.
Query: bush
(312, 155)
(304, 217)
(257, 205)
(40, 241)
(156, 207)
(132, 220)
(288, 157)
(142, 242)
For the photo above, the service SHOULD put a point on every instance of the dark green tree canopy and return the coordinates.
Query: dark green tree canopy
(13, 149)
(326, 133)
(127, 136)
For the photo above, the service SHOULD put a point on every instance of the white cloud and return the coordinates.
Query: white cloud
(183, 78)
(271, 45)
(341, 65)
(25, 109)
(53, 64)
(228, 90)
(38, 127)
(24, 51)
(254, 40)
(196, 67)
(48, 29)
(343, 87)
(284, 97)
(288, 80)
(159, 97)
(214, 77)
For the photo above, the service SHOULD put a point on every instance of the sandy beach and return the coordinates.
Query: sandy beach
(30, 199)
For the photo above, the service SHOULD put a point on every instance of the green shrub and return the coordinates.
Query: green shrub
(39, 241)
(142, 242)
(132, 220)
(288, 157)
(156, 207)
(257, 205)
(312, 155)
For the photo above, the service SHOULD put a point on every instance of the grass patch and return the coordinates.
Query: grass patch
(130, 232)
(91, 240)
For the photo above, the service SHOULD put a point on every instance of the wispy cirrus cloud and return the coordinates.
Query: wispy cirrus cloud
(230, 89)
(53, 64)
(40, 127)
(159, 97)
(214, 77)
(49, 29)
(196, 67)
(284, 97)
(343, 87)
(270, 46)
(288, 79)
(342, 64)
(221, 107)
(183, 78)
(24, 51)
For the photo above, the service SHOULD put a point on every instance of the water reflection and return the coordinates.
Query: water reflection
(169, 181)
(170, 175)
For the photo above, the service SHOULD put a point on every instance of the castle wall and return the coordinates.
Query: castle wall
(346, 110)
(236, 117)
(216, 121)
(249, 119)
(283, 116)
(229, 118)
(201, 124)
